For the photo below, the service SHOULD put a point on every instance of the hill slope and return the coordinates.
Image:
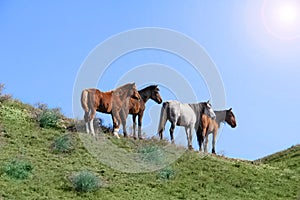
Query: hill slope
(287, 159)
(194, 175)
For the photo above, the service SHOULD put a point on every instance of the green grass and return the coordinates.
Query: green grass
(192, 176)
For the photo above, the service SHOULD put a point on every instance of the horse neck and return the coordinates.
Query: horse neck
(125, 94)
(198, 110)
(145, 94)
(220, 116)
(125, 90)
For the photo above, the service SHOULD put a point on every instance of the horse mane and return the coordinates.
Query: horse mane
(150, 87)
(220, 116)
(125, 87)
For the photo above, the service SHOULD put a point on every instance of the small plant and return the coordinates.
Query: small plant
(3, 97)
(166, 173)
(18, 169)
(85, 181)
(151, 153)
(63, 144)
(49, 119)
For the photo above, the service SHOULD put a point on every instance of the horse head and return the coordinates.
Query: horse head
(155, 96)
(230, 118)
(127, 90)
(208, 110)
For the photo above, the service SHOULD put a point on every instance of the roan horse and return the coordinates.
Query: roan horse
(137, 107)
(210, 125)
(114, 102)
(187, 115)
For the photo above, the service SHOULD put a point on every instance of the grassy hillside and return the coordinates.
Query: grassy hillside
(50, 167)
(285, 160)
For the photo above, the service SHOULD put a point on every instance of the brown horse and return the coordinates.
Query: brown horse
(212, 126)
(137, 107)
(114, 102)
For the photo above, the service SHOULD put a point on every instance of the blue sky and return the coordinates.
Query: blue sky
(44, 43)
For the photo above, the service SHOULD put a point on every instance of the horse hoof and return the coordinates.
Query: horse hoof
(134, 138)
(140, 138)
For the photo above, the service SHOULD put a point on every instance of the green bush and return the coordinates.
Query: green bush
(49, 119)
(4, 97)
(151, 153)
(18, 169)
(85, 181)
(63, 144)
(166, 173)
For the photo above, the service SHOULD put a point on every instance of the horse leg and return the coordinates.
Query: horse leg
(206, 142)
(188, 136)
(172, 131)
(214, 142)
(140, 118)
(115, 125)
(86, 119)
(205, 138)
(191, 138)
(199, 138)
(134, 125)
(92, 115)
(123, 119)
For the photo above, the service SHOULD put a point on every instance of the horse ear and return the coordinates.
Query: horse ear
(156, 87)
(208, 101)
(230, 109)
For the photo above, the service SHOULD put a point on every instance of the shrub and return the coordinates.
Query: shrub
(63, 144)
(151, 153)
(49, 119)
(166, 173)
(85, 181)
(3, 97)
(18, 169)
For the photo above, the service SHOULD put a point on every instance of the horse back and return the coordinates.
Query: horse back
(101, 101)
(187, 115)
(181, 113)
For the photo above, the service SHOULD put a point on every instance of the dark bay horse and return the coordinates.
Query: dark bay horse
(114, 102)
(210, 125)
(137, 107)
(187, 115)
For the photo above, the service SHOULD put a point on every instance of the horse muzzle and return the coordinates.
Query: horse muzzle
(159, 101)
(233, 125)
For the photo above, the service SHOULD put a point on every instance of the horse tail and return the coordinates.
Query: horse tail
(85, 102)
(163, 118)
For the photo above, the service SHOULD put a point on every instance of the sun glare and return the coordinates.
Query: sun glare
(288, 14)
(282, 18)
